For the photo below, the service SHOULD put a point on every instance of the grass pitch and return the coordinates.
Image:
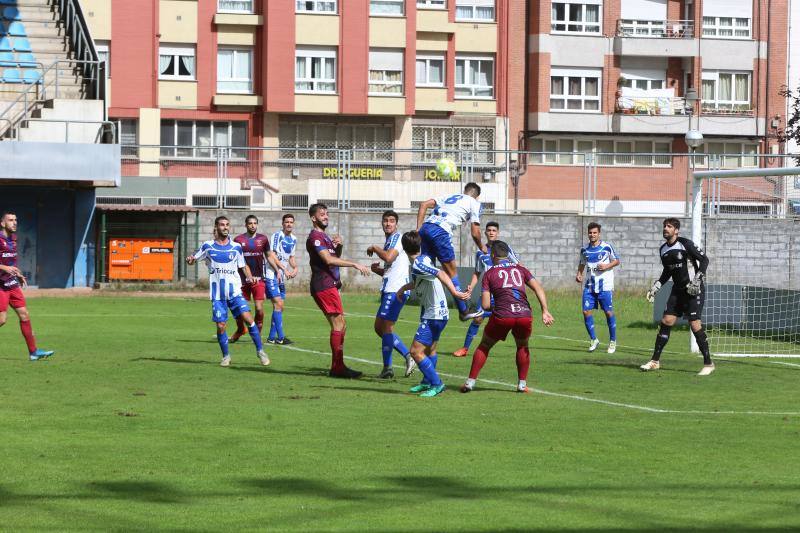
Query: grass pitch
(132, 425)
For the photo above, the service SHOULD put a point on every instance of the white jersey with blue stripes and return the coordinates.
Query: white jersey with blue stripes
(452, 211)
(395, 274)
(284, 247)
(430, 291)
(591, 256)
(223, 262)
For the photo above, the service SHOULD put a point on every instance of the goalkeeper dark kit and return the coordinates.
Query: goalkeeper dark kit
(685, 263)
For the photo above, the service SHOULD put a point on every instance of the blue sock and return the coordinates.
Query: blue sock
(222, 339)
(277, 319)
(471, 332)
(434, 357)
(427, 368)
(461, 304)
(399, 346)
(387, 345)
(612, 327)
(256, 336)
(589, 323)
(272, 327)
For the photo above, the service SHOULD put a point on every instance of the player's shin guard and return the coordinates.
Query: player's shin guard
(27, 332)
(523, 362)
(478, 360)
(387, 345)
(588, 321)
(277, 319)
(337, 351)
(399, 346)
(429, 371)
(255, 334)
(222, 339)
(661, 341)
(461, 304)
(471, 332)
(702, 343)
(612, 327)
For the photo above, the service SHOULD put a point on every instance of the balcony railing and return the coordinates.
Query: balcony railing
(651, 105)
(656, 29)
(716, 108)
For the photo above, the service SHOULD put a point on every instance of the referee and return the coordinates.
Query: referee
(685, 263)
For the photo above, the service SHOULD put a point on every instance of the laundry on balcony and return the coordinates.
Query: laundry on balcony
(649, 102)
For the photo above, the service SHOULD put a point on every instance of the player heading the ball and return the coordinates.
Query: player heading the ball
(436, 231)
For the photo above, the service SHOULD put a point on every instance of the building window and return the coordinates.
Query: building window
(316, 6)
(729, 154)
(176, 62)
(315, 70)
(575, 17)
(194, 139)
(474, 77)
(385, 72)
(102, 48)
(575, 90)
(235, 70)
(430, 70)
(386, 7)
(431, 4)
(725, 91)
(477, 10)
(726, 27)
(645, 84)
(318, 141)
(235, 6)
(127, 135)
(567, 151)
(450, 141)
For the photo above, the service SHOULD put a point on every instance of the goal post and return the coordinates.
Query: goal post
(752, 306)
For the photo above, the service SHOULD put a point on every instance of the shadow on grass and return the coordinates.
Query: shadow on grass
(648, 324)
(240, 366)
(633, 367)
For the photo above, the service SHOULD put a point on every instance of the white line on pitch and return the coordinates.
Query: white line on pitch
(571, 396)
(782, 363)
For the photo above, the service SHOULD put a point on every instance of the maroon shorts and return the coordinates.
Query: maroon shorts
(256, 291)
(329, 301)
(498, 328)
(13, 297)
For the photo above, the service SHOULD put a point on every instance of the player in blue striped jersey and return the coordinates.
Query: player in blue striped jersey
(596, 271)
(395, 273)
(282, 247)
(224, 259)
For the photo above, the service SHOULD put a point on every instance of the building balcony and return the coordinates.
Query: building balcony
(730, 119)
(660, 38)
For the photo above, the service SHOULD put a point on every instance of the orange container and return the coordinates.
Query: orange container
(140, 259)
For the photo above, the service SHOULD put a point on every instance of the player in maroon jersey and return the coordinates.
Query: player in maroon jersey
(505, 282)
(11, 283)
(325, 257)
(255, 247)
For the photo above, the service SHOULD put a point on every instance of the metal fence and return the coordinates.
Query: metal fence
(622, 183)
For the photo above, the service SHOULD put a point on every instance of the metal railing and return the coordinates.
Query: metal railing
(100, 137)
(77, 31)
(656, 29)
(738, 110)
(651, 105)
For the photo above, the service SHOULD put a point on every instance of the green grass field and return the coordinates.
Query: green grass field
(134, 426)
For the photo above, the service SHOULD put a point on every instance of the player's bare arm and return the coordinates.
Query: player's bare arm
(602, 267)
(387, 256)
(486, 300)
(407, 287)
(377, 269)
(293, 265)
(473, 281)
(248, 276)
(272, 259)
(335, 260)
(190, 260)
(538, 290)
(423, 210)
(579, 275)
(475, 232)
(447, 282)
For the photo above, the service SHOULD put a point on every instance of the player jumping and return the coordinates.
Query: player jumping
(686, 264)
(436, 231)
(325, 258)
(395, 275)
(224, 259)
(483, 261)
(505, 282)
(434, 314)
(598, 258)
(12, 282)
(282, 254)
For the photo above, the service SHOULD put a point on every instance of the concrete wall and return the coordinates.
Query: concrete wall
(549, 245)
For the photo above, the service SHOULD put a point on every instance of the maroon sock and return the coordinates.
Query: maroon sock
(523, 362)
(337, 351)
(27, 332)
(478, 360)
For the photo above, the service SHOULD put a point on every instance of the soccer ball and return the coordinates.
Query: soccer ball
(446, 169)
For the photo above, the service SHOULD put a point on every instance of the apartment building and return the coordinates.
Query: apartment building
(305, 78)
(610, 77)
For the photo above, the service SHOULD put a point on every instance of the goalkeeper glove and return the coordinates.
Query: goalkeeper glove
(651, 294)
(694, 287)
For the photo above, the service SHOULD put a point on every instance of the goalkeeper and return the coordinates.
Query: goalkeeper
(685, 263)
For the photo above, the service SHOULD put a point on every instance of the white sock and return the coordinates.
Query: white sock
(522, 384)
(470, 383)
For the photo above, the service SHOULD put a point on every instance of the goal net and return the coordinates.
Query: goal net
(752, 237)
